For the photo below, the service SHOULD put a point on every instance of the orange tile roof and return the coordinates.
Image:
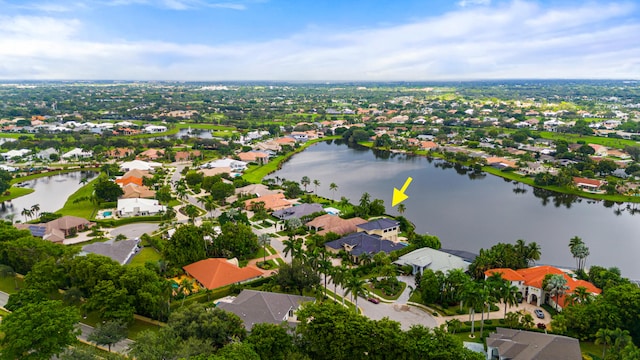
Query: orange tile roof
(507, 274)
(271, 202)
(285, 140)
(428, 145)
(252, 155)
(129, 180)
(335, 224)
(592, 182)
(216, 272)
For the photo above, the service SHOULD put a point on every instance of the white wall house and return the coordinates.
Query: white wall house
(77, 153)
(155, 129)
(139, 207)
(235, 165)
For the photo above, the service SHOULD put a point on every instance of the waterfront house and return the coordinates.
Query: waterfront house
(59, 229)
(428, 258)
(529, 282)
(332, 223)
(298, 211)
(589, 185)
(385, 228)
(359, 243)
(271, 202)
(77, 153)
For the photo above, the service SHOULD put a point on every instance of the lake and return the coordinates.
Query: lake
(50, 193)
(469, 211)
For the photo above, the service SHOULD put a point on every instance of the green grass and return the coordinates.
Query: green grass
(8, 285)
(259, 254)
(146, 254)
(595, 351)
(14, 135)
(84, 208)
(379, 292)
(15, 192)
(280, 261)
(135, 328)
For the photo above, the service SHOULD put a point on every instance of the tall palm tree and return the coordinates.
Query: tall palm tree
(305, 181)
(580, 253)
(580, 295)
(620, 338)
(509, 295)
(333, 187)
(35, 208)
(264, 240)
(316, 183)
(338, 276)
(27, 214)
(603, 337)
(191, 211)
(573, 242)
(472, 298)
(186, 285)
(344, 202)
(356, 287)
(401, 209)
(533, 253)
(557, 286)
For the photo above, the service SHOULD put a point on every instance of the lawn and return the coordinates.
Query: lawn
(15, 192)
(8, 285)
(381, 294)
(135, 328)
(146, 254)
(79, 203)
(592, 349)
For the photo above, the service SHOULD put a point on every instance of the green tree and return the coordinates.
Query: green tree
(38, 331)
(356, 287)
(264, 240)
(334, 188)
(107, 190)
(186, 246)
(603, 337)
(108, 333)
(316, 183)
(5, 181)
(271, 341)
(164, 194)
(238, 240)
(191, 211)
(297, 276)
(111, 302)
(305, 181)
(556, 286)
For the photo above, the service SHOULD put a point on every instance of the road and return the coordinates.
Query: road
(133, 231)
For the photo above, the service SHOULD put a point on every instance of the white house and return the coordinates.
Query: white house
(139, 207)
(155, 129)
(428, 258)
(15, 153)
(46, 153)
(139, 165)
(235, 165)
(77, 153)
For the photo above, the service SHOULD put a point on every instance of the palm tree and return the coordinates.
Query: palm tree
(35, 208)
(316, 183)
(186, 284)
(603, 337)
(580, 295)
(453, 324)
(620, 338)
(472, 299)
(401, 209)
(509, 295)
(305, 181)
(557, 286)
(333, 187)
(573, 242)
(264, 240)
(26, 213)
(292, 246)
(533, 253)
(356, 287)
(338, 276)
(344, 202)
(209, 205)
(191, 211)
(580, 253)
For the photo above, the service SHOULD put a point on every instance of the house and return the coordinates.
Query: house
(533, 167)
(298, 211)
(271, 202)
(120, 153)
(501, 163)
(139, 207)
(257, 307)
(120, 251)
(530, 283)
(528, 345)
(132, 191)
(331, 223)
(254, 156)
(124, 181)
(139, 165)
(428, 258)
(215, 171)
(234, 165)
(151, 154)
(590, 185)
(599, 150)
(59, 229)
(213, 273)
(77, 153)
(155, 129)
(359, 243)
(15, 153)
(285, 141)
(46, 154)
(385, 228)
(187, 155)
(428, 145)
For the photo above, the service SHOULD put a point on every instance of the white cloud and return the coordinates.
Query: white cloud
(515, 40)
(181, 4)
(465, 3)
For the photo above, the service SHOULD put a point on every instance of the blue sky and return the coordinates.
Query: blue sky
(373, 40)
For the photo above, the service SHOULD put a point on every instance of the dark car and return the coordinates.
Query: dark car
(373, 300)
(539, 314)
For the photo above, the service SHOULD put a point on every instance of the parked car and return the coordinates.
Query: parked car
(542, 326)
(539, 314)
(373, 300)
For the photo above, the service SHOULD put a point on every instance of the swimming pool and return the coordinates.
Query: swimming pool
(107, 213)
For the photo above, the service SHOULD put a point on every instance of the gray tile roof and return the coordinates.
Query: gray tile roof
(120, 251)
(362, 242)
(379, 224)
(298, 211)
(529, 345)
(255, 307)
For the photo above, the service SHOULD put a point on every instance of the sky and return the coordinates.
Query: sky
(322, 40)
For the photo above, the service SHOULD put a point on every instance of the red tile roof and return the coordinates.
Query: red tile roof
(216, 272)
(507, 274)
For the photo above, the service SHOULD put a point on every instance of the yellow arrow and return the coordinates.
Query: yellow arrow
(399, 195)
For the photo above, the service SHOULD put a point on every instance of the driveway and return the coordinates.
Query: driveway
(136, 230)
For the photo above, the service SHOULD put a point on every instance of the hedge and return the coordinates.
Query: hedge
(129, 220)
